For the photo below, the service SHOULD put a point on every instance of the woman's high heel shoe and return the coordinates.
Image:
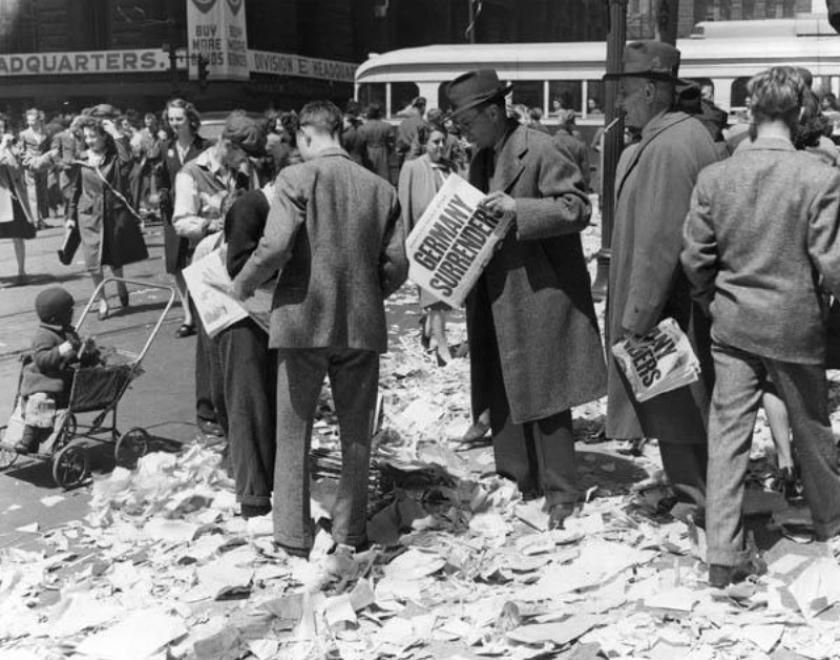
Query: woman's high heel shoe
(104, 312)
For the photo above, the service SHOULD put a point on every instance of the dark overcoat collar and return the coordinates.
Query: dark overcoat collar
(654, 128)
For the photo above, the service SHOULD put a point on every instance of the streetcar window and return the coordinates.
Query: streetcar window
(372, 93)
(528, 93)
(594, 97)
(402, 94)
(739, 92)
(707, 88)
(565, 95)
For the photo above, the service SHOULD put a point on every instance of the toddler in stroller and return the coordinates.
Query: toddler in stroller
(48, 374)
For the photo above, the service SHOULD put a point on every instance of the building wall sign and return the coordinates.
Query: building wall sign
(282, 64)
(80, 62)
(216, 32)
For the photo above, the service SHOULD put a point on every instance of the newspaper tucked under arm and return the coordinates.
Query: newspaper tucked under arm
(209, 284)
(453, 241)
(659, 362)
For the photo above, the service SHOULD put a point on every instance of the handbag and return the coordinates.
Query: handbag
(832, 339)
(69, 245)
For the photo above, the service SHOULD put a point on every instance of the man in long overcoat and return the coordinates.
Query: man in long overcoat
(653, 188)
(375, 139)
(535, 350)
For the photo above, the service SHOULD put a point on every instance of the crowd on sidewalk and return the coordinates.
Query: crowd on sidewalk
(737, 240)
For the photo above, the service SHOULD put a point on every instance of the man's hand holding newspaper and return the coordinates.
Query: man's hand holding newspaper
(660, 361)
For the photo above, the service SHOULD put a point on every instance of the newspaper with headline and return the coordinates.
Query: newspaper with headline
(659, 362)
(453, 241)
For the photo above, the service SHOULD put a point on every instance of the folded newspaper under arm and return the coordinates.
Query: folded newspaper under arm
(659, 362)
(210, 288)
(453, 241)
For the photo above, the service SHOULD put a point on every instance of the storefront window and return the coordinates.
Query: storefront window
(565, 95)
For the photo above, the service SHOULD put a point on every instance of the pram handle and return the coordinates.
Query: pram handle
(149, 285)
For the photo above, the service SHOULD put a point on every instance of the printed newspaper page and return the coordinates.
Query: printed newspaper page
(659, 362)
(453, 241)
(207, 280)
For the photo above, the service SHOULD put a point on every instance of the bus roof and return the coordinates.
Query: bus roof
(700, 57)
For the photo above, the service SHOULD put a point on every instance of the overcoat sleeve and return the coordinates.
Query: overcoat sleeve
(699, 254)
(286, 214)
(671, 170)
(563, 206)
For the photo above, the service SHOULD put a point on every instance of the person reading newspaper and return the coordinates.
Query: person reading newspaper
(334, 233)
(535, 349)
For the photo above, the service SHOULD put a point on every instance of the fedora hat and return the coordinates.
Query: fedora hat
(474, 88)
(649, 59)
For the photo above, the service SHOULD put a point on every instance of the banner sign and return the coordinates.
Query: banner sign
(76, 62)
(216, 30)
(453, 241)
(282, 64)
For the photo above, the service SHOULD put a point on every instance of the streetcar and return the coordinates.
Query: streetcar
(722, 56)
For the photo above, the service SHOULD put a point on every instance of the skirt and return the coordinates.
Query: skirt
(19, 227)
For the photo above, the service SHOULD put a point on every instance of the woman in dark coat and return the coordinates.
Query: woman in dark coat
(108, 226)
(183, 121)
(15, 217)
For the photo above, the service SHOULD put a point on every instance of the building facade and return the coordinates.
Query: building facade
(82, 52)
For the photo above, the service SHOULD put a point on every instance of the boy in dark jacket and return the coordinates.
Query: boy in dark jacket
(47, 377)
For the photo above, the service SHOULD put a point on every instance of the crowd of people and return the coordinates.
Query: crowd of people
(733, 235)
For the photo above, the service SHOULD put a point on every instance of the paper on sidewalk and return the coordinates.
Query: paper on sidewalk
(453, 241)
(659, 362)
(208, 282)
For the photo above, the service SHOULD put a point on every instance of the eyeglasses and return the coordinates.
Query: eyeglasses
(464, 123)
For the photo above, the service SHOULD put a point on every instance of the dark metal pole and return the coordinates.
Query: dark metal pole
(613, 141)
(471, 19)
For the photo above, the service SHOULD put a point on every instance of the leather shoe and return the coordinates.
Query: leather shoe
(209, 427)
(185, 330)
(254, 510)
(476, 432)
(721, 576)
(558, 513)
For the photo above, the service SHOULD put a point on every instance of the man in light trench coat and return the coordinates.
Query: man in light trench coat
(535, 350)
(654, 181)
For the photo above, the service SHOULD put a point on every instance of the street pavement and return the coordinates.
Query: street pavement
(161, 400)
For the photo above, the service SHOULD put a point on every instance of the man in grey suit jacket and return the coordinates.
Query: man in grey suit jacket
(334, 233)
(761, 232)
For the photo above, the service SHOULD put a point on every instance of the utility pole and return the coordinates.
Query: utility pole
(613, 140)
(668, 21)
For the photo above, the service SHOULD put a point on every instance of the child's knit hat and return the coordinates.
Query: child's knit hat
(55, 306)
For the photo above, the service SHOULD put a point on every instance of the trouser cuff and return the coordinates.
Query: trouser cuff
(555, 497)
(726, 556)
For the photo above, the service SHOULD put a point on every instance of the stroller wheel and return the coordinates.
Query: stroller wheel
(7, 456)
(70, 465)
(133, 444)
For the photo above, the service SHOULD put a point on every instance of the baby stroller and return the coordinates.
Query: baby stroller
(96, 389)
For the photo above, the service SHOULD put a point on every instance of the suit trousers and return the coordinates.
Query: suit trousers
(683, 444)
(249, 368)
(209, 377)
(354, 378)
(538, 455)
(740, 376)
